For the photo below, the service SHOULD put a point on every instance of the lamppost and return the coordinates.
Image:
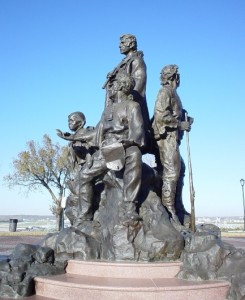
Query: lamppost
(242, 181)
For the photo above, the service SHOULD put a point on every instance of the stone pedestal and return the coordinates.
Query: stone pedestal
(131, 281)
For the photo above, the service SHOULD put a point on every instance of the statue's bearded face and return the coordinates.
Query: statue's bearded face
(125, 45)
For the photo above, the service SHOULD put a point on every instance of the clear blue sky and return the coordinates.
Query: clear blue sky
(55, 55)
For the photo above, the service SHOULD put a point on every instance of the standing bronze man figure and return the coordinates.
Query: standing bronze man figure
(133, 64)
(169, 125)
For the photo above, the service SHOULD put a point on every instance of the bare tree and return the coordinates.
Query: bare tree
(44, 166)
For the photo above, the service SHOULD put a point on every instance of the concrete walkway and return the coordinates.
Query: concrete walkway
(8, 243)
(236, 242)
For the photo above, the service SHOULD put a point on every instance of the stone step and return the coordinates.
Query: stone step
(80, 287)
(34, 297)
(123, 269)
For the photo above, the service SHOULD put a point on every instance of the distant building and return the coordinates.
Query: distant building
(224, 223)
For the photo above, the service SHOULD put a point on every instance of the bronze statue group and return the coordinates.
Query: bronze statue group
(120, 208)
(110, 154)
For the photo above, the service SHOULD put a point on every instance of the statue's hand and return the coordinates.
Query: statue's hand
(185, 126)
(109, 75)
(59, 133)
(126, 143)
(190, 120)
(63, 135)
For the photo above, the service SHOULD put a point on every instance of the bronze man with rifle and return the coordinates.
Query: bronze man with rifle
(169, 125)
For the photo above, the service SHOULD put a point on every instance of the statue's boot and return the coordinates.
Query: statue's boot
(181, 212)
(85, 215)
(168, 199)
(130, 214)
(172, 211)
(85, 211)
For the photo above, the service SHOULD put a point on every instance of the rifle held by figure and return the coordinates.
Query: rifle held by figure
(192, 191)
